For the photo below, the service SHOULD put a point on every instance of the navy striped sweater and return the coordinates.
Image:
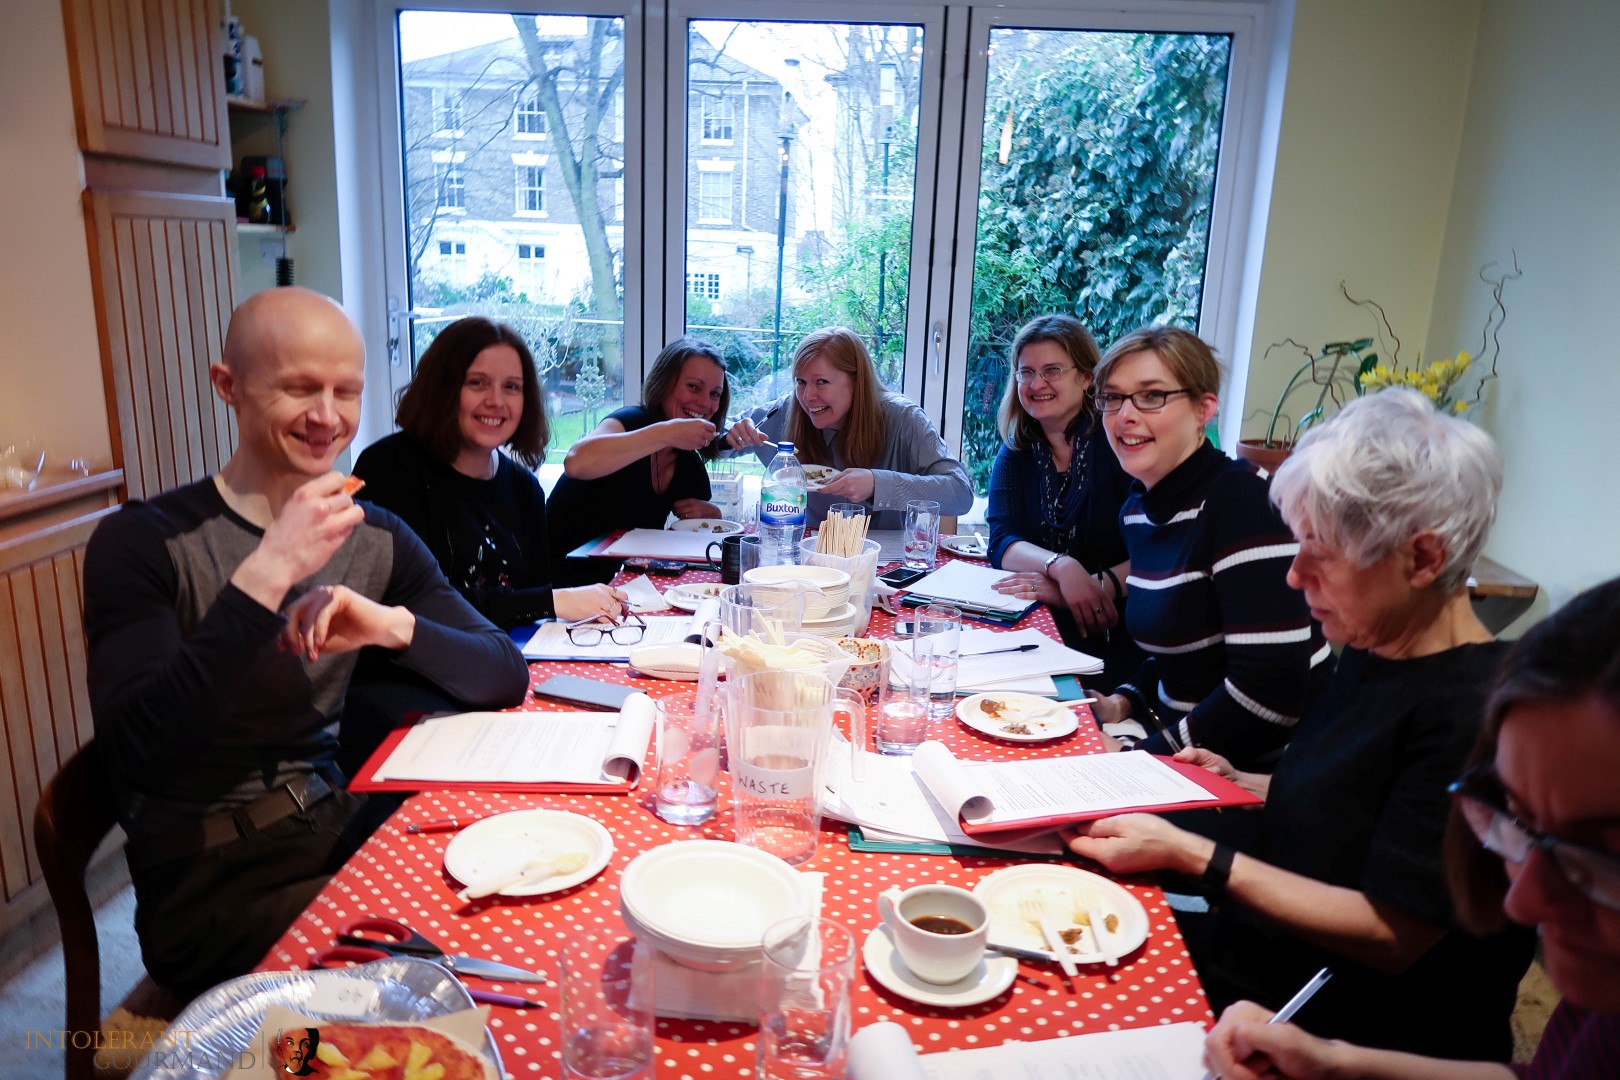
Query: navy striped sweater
(1234, 657)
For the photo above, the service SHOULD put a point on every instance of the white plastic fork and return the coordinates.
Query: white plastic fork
(1032, 906)
(1099, 929)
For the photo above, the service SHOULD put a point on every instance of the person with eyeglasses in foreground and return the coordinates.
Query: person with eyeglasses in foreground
(1234, 657)
(1341, 867)
(1534, 837)
(1055, 494)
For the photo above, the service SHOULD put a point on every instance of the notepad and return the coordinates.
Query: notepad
(660, 544)
(970, 585)
(551, 642)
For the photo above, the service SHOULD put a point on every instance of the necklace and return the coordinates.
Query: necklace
(1059, 493)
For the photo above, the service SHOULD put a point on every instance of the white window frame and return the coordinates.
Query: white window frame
(708, 285)
(717, 107)
(443, 97)
(717, 168)
(520, 110)
(522, 189)
(530, 264)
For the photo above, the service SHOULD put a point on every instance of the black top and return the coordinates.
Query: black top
(582, 510)
(1077, 514)
(1359, 800)
(488, 535)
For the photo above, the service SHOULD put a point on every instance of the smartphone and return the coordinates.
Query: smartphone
(593, 692)
(665, 566)
(901, 576)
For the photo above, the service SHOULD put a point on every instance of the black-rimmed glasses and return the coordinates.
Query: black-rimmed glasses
(1478, 793)
(1144, 400)
(1051, 373)
(588, 632)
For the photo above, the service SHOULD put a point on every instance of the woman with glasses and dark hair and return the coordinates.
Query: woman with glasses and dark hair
(643, 461)
(1534, 837)
(1055, 494)
(1391, 502)
(1233, 653)
(480, 511)
(884, 446)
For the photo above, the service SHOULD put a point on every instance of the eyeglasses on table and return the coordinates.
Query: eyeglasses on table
(588, 632)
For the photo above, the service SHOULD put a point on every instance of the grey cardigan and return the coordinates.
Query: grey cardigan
(914, 463)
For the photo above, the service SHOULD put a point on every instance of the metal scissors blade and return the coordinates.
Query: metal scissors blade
(395, 937)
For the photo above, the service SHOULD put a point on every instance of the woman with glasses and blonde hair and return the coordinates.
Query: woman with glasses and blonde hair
(886, 449)
(1233, 653)
(1534, 838)
(1055, 494)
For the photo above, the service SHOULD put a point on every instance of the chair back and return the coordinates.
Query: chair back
(75, 813)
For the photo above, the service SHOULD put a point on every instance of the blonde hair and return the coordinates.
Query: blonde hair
(1184, 353)
(1017, 428)
(862, 436)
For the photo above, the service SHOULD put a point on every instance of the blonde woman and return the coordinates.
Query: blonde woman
(887, 450)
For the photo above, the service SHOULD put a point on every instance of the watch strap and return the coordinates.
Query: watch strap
(1213, 879)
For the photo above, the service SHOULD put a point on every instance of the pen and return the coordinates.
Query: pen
(448, 824)
(1010, 648)
(1295, 1003)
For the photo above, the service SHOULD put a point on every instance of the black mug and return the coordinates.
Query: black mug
(738, 555)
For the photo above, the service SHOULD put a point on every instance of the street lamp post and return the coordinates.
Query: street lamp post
(781, 251)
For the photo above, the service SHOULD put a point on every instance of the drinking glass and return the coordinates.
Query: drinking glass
(902, 715)
(935, 634)
(804, 1011)
(847, 509)
(688, 758)
(607, 1006)
(921, 537)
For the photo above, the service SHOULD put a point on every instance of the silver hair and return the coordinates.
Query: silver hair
(1388, 467)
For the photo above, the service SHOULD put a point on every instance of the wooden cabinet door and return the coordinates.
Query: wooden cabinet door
(148, 80)
(164, 269)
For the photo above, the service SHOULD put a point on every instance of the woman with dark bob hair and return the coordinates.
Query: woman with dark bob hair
(643, 461)
(480, 511)
(1391, 502)
(1534, 837)
(1055, 494)
(884, 446)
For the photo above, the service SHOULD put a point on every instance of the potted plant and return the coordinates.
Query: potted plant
(1341, 370)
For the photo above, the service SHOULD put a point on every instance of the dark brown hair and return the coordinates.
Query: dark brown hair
(1567, 657)
(666, 369)
(1067, 333)
(429, 406)
(862, 435)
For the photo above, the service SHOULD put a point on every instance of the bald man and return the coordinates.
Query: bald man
(224, 618)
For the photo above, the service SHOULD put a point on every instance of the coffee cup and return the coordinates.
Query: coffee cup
(939, 930)
(739, 554)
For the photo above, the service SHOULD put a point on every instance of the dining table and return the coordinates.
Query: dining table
(400, 875)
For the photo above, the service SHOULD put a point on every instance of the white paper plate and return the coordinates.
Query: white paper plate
(1001, 891)
(970, 547)
(816, 475)
(1045, 718)
(712, 526)
(688, 597)
(990, 979)
(504, 842)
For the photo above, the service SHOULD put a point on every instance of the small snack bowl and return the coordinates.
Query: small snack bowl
(871, 664)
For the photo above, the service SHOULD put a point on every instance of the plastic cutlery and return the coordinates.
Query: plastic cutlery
(536, 869)
(1033, 908)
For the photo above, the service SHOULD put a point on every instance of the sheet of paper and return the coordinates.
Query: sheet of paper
(525, 748)
(643, 596)
(661, 544)
(1026, 672)
(967, 583)
(1015, 791)
(550, 642)
(1162, 1052)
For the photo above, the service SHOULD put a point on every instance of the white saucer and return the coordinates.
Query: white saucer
(1041, 717)
(990, 979)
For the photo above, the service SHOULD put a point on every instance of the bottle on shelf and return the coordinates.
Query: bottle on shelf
(781, 509)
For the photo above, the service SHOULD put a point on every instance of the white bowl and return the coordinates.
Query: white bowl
(707, 903)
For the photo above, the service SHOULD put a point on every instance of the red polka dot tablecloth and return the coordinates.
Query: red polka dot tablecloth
(402, 876)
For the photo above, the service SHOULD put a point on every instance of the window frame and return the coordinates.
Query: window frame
(525, 97)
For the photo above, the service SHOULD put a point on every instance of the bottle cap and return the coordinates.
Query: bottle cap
(784, 448)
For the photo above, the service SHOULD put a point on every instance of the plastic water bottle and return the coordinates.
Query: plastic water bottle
(781, 508)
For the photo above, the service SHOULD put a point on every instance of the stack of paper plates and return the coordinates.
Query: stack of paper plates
(829, 587)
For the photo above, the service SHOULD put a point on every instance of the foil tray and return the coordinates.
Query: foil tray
(221, 1024)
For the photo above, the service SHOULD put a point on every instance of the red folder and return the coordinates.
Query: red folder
(1226, 794)
(365, 780)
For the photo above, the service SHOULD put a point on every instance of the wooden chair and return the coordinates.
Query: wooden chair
(75, 813)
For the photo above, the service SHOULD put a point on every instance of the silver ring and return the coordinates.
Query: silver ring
(1096, 611)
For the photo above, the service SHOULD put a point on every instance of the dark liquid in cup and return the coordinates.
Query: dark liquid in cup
(941, 924)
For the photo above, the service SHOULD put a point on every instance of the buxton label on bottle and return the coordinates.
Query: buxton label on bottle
(786, 510)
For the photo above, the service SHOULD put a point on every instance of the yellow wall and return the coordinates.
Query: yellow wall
(50, 361)
(1372, 122)
(1537, 175)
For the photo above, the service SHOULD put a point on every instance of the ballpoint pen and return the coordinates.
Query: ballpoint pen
(1295, 1003)
(1010, 648)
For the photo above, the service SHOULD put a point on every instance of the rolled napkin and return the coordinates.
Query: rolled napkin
(883, 1051)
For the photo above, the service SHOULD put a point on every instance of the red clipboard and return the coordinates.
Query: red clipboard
(1226, 794)
(365, 779)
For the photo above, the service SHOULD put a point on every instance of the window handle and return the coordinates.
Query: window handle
(938, 340)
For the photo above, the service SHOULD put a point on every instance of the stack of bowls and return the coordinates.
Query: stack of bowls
(840, 623)
(826, 588)
(706, 903)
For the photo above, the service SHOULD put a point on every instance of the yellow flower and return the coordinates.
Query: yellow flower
(1458, 408)
(1463, 360)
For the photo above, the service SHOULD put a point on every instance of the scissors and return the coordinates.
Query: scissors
(368, 938)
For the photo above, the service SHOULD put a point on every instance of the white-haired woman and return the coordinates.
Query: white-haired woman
(1391, 502)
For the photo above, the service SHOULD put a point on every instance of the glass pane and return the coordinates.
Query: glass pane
(495, 108)
(801, 160)
(1095, 193)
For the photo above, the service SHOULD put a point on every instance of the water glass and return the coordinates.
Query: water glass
(921, 537)
(607, 1006)
(935, 634)
(804, 1010)
(688, 744)
(902, 716)
(847, 509)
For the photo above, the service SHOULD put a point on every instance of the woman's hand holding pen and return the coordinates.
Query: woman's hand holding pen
(588, 602)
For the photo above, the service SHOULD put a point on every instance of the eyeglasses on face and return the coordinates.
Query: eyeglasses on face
(1478, 794)
(1144, 400)
(588, 632)
(1051, 373)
